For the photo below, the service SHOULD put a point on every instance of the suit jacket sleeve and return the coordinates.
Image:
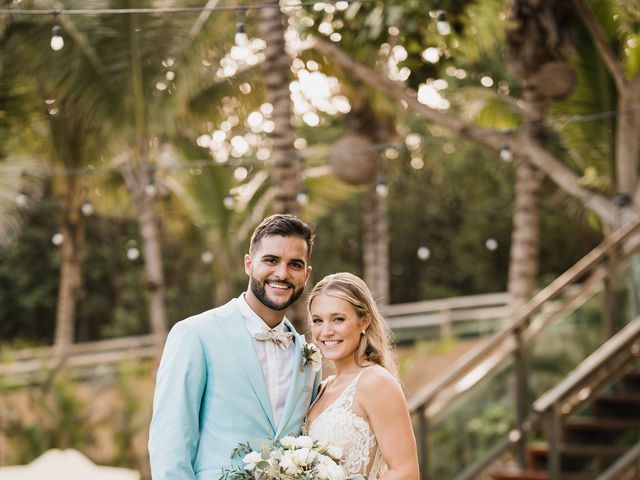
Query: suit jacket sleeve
(175, 426)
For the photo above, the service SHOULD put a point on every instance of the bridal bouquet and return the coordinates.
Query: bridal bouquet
(293, 458)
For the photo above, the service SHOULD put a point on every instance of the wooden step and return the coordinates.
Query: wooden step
(572, 450)
(601, 423)
(535, 475)
(620, 405)
(631, 382)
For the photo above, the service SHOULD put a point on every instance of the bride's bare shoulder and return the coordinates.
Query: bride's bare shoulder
(376, 379)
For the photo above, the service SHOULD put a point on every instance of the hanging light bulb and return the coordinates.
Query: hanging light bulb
(228, 201)
(381, 188)
(505, 153)
(21, 199)
(303, 196)
(57, 239)
(241, 38)
(423, 253)
(133, 253)
(240, 51)
(206, 256)
(86, 208)
(57, 42)
(150, 188)
(442, 25)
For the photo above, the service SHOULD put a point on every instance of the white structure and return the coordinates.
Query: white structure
(65, 465)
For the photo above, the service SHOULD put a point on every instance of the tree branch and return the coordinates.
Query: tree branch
(521, 144)
(603, 46)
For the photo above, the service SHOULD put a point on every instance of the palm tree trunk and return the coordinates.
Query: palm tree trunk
(525, 233)
(628, 140)
(285, 168)
(376, 244)
(150, 232)
(70, 282)
(222, 291)
(285, 165)
(148, 219)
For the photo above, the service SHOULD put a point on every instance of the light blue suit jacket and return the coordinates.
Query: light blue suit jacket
(211, 395)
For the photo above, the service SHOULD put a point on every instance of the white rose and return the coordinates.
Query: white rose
(336, 472)
(303, 456)
(303, 442)
(251, 460)
(322, 445)
(288, 442)
(288, 465)
(323, 471)
(335, 452)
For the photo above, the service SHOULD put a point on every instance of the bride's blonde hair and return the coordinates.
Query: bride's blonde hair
(376, 344)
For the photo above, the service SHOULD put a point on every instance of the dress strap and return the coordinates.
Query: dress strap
(350, 391)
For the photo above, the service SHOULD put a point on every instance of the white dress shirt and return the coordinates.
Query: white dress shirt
(276, 363)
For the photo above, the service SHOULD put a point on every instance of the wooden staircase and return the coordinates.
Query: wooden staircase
(592, 438)
(588, 420)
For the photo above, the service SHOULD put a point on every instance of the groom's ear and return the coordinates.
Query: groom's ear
(308, 274)
(247, 264)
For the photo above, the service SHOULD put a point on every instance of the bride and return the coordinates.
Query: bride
(361, 408)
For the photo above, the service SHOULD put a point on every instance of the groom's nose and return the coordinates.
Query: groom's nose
(280, 270)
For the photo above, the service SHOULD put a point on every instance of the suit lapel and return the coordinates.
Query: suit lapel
(297, 380)
(242, 345)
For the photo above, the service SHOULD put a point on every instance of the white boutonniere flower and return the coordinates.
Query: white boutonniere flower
(311, 356)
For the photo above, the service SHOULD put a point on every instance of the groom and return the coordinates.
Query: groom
(236, 373)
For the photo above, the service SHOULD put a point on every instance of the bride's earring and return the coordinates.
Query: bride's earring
(364, 332)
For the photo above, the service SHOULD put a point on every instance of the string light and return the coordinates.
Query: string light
(132, 250)
(303, 196)
(240, 51)
(86, 208)
(21, 199)
(442, 25)
(381, 188)
(150, 188)
(228, 201)
(133, 253)
(170, 10)
(57, 239)
(491, 244)
(57, 42)
(423, 253)
(382, 147)
(505, 153)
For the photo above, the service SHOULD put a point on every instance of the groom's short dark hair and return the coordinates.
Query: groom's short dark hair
(285, 225)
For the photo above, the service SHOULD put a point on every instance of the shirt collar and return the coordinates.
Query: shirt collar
(253, 321)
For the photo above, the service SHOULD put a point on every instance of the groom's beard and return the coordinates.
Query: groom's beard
(260, 293)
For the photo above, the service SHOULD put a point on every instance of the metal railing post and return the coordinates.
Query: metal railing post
(553, 456)
(520, 397)
(423, 442)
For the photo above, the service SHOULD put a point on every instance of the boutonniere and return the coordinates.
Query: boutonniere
(311, 356)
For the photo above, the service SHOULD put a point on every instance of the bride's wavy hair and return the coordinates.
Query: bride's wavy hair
(376, 344)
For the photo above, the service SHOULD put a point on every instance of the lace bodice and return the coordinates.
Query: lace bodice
(339, 425)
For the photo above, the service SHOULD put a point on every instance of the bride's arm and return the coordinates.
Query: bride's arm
(384, 404)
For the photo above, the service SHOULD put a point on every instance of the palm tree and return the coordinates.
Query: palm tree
(524, 145)
(285, 168)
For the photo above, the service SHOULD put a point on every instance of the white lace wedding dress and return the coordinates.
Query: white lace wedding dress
(339, 425)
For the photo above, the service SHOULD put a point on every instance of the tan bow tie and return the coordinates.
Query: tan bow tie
(282, 340)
